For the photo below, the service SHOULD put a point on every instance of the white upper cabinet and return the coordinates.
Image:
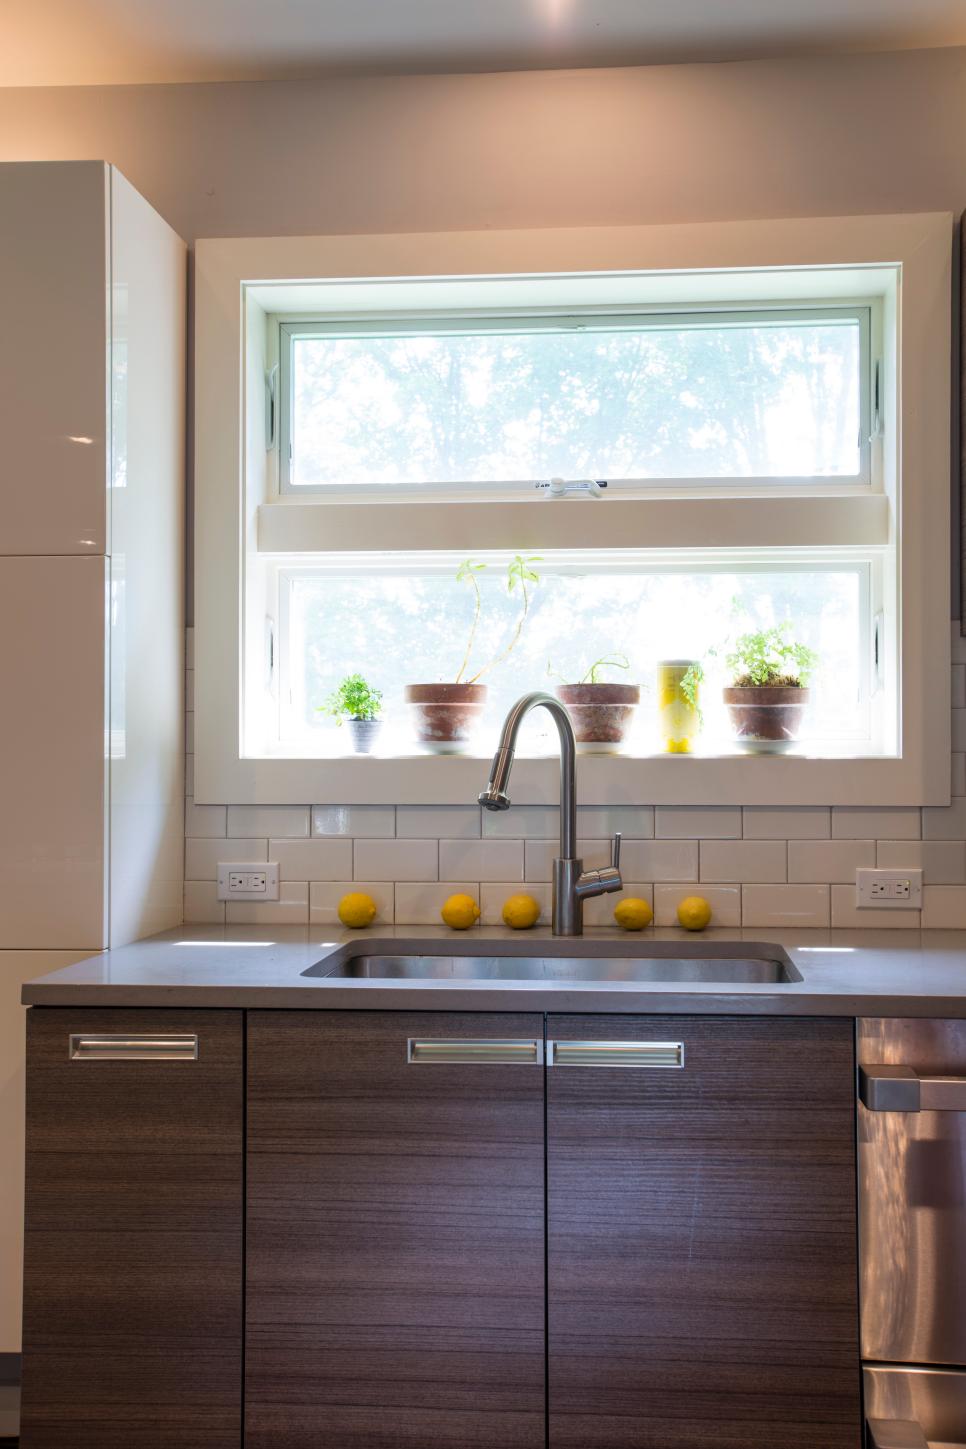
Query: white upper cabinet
(55, 362)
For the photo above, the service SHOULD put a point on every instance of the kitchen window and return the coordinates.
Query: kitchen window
(749, 441)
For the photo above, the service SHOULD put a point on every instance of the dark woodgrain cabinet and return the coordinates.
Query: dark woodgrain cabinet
(133, 1258)
(650, 1235)
(395, 1294)
(702, 1237)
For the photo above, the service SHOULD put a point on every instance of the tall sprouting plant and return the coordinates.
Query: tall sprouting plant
(592, 675)
(520, 574)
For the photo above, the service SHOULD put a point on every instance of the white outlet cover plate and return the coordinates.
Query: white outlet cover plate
(888, 890)
(249, 868)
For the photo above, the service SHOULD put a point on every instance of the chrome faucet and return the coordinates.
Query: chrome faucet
(571, 883)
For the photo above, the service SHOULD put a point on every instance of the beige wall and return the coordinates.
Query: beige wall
(672, 143)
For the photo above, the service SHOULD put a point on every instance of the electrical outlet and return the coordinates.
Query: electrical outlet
(888, 889)
(238, 881)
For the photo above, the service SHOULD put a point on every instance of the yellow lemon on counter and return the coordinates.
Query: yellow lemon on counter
(521, 912)
(633, 914)
(460, 912)
(694, 913)
(357, 909)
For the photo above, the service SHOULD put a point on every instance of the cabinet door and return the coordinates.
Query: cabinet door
(133, 1249)
(702, 1235)
(395, 1288)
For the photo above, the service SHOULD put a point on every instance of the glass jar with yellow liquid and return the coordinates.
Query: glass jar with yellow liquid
(678, 705)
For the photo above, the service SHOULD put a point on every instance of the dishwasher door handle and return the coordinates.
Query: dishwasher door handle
(615, 1054)
(461, 1051)
(884, 1088)
(895, 1434)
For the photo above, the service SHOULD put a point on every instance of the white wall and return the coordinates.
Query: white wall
(667, 143)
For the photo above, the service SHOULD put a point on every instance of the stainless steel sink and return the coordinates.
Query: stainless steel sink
(755, 965)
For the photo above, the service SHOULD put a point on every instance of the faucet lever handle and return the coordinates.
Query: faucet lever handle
(615, 855)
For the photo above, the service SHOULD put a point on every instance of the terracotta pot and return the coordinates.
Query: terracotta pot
(766, 719)
(364, 734)
(601, 713)
(445, 714)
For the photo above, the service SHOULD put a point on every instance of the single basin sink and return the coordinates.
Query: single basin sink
(744, 964)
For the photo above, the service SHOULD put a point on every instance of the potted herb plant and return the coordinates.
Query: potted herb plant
(601, 711)
(356, 701)
(769, 689)
(446, 713)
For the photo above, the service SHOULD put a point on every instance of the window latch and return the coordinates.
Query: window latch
(560, 487)
(271, 408)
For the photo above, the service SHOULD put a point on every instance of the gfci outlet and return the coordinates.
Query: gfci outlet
(254, 881)
(888, 889)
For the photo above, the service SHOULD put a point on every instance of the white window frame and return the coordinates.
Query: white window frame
(867, 314)
(243, 526)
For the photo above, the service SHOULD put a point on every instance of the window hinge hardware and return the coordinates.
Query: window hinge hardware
(271, 406)
(877, 421)
(560, 487)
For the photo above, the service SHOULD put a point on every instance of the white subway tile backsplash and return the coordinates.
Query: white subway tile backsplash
(540, 855)
(312, 859)
(944, 907)
(289, 821)
(291, 908)
(439, 822)
(522, 822)
(599, 910)
(493, 860)
(828, 860)
(204, 820)
(847, 916)
(189, 689)
(795, 907)
(396, 860)
(787, 822)
(325, 895)
(957, 775)
(875, 822)
(942, 862)
(373, 822)
(959, 729)
(189, 732)
(724, 900)
(664, 860)
(201, 903)
(189, 775)
(189, 647)
(594, 822)
(958, 686)
(202, 857)
(494, 894)
(697, 822)
(743, 860)
(945, 822)
(420, 903)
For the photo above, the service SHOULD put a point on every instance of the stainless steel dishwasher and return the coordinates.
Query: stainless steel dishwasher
(912, 1231)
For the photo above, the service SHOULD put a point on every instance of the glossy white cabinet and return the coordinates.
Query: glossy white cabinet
(54, 269)
(16, 967)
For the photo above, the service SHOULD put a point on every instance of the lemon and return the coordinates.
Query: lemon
(521, 912)
(357, 909)
(694, 913)
(633, 914)
(460, 912)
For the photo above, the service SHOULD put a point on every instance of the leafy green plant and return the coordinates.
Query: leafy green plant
(355, 698)
(768, 658)
(691, 681)
(592, 676)
(520, 573)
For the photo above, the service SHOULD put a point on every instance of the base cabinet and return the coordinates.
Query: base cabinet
(457, 1224)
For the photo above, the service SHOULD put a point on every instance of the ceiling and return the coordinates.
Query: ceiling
(110, 42)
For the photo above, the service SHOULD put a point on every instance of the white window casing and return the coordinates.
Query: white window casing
(252, 528)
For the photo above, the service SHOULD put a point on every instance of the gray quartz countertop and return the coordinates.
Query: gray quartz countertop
(844, 973)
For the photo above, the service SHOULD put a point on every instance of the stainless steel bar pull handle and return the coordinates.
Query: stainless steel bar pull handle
(615, 1053)
(895, 1434)
(886, 1088)
(422, 1050)
(124, 1047)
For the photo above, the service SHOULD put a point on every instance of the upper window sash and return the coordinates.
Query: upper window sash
(864, 316)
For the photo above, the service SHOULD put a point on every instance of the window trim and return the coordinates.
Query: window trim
(237, 283)
(288, 330)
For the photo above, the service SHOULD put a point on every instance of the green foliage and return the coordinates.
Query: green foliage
(355, 698)
(691, 681)
(592, 676)
(519, 574)
(769, 657)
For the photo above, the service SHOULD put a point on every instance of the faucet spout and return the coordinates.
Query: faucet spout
(572, 885)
